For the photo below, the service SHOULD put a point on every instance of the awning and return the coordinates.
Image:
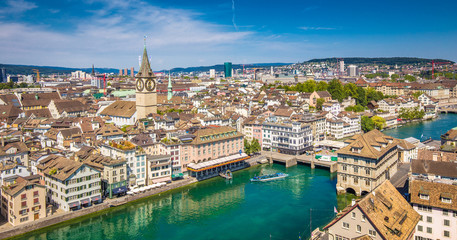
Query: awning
(198, 167)
(85, 201)
(120, 190)
(97, 198)
(177, 175)
(73, 204)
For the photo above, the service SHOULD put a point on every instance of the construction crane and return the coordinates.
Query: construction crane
(433, 67)
(37, 74)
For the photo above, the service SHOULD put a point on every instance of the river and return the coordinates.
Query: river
(217, 209)
(430, 129)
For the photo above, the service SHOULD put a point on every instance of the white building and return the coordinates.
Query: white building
(70, 184)
(292, 138)
(433, 191)
(332, 106)
(120, 113)
(136, 160)
(9, 171)
(212, 73)
(352, 70)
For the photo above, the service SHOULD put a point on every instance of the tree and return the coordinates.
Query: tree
(361, 98)
(394, 77)
(379, 122)
(255, 146)
(321, 86)
(319, 103)
(247, 147)
(356, 108)
(417, 94)
(350, 89)
(367, 124)
(310, 86)
(335, 88)
(410, 78)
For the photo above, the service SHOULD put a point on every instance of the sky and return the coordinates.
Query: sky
(183, 33)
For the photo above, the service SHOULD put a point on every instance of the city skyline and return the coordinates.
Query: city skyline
(183, 34)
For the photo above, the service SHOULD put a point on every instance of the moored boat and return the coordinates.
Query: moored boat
(269, 177)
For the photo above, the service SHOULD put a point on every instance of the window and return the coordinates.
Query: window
(429, 219)
(429, 230)
(424, 196)
(363, 218)
(353, 214)
(445, 212)
(359, 228)
(424, 208)
(446, 222)
(446, 200)
(446, 233)
(35, 201)
(356, 181)
(23, 196)
(421, 218)
(420, 228)
(24, 204)
(35, 194)
(372, 233)
(345, 225)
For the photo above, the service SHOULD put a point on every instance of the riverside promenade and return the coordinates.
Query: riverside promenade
(7, 230)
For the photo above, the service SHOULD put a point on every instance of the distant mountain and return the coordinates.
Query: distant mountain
(380, 61)
(28, 69)
(220, 67)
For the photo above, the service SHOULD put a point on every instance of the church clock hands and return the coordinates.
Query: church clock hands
(140, 85)
(150, 85)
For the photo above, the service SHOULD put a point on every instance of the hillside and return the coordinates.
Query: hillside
(28, 69)
(220, 67)
(380, 61)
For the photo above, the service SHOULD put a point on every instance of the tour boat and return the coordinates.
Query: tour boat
(269, 177)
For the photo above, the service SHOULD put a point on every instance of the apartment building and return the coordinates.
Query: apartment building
(172, 147)
(333, 107)
(382, 214)
(135, 157)
(14, 152)
(393, 106)
(114, 173)
(24, 201)
(9, 171)
(159, 169)
(433, 192)
(292, 138)
(366, 161)
(70, 184)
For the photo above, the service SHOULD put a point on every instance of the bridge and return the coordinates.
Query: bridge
(292, 160)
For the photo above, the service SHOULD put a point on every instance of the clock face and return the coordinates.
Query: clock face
(150, 85)
(140, 85)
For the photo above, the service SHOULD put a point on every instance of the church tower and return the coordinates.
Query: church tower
(146, 94)
(170, 89)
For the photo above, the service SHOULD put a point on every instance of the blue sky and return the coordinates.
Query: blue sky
(109, 33)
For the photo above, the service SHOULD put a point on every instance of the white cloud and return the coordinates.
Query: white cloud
(17, 6)
(317, 28)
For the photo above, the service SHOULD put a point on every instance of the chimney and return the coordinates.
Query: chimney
(353, 202)
(435, 157)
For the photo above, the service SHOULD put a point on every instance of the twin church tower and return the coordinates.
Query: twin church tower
(146, 92)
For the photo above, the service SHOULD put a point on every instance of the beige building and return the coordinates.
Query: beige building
(24, 201)
(366, 162)
(382, 214)
(146, 92)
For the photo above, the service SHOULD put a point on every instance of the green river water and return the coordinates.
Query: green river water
(217, 209)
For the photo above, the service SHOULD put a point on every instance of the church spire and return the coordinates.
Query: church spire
(170, 88)
(145, 68)
(93, 70)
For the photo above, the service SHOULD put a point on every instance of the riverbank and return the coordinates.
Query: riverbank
(62, 218)
(65, 217)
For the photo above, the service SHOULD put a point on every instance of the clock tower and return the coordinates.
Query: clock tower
(146, 94)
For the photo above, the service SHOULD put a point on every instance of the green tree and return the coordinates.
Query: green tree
(321, 86)
(417, 94)
(255, 146)
(367, 124)
(410, 78)
(309, 86)
(361, 98)
(350, 89)
(356, 108)
(319, 103)
(247, 147)
(335, 88)
(379, 122)
(394, 77)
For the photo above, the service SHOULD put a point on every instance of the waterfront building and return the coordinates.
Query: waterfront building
(294, 138)
(449, 140)
(433, 192)
(24, 201)
(171, 147)
(213, 150)
(159, 169)
(114, 173)
(70, 185)
(366, 161)
(382, 214)
(135, 157)
(393, 106)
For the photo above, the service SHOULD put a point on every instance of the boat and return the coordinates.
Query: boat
(227, 175)
(269, 177)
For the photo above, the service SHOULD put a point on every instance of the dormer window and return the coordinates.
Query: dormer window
(446, 200)
(424, 196)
